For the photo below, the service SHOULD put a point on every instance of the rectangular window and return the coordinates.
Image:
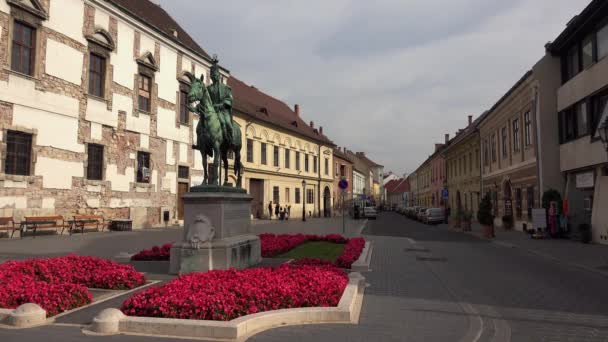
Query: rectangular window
(310, 196)
(516, 135)
(527, 129)
(470, 163)
(297, 161)
(287, 155)
(572, 64)
(581, 120)
(342, 170)
(249, 151)
(97, 72)
(464, 165)
(486, 155)
(599, 106)
(183, 172)
(263, 153)
(18, 153)
(574, 122)
(477, 158)
(602, 42)
(336, 169)
(306, 163)
(314, 164)
(530, 200)
(143, 167)
(326, 166)
(504, 142)
(275, 156)
(275, 194)
(297, 194)
(184, 113)
(95, 162)
(587, 52)
(24, 48)
(287, 197)
(493, 151)
(145, 84)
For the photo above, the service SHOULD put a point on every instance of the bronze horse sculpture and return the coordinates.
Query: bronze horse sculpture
(211, 140)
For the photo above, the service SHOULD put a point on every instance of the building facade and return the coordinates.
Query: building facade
(397, 193)
(343, 169)
(412, 179)
(509, 171)
(92, 109)
(463, 170)
(581, 102)
(286, 161)
(424, 194)
(438, 178)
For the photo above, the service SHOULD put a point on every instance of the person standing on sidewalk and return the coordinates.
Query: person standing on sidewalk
(270, 210)
(276, 209)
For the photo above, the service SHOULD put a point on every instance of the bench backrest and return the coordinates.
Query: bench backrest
(6, 220)
(88, 217)
(43, 218)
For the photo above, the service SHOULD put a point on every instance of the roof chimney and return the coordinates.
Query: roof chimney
(321, 129)
(312, 124)
(174, 32)
(470, 119)
(296, 108)
(447, 138)
(438, 146)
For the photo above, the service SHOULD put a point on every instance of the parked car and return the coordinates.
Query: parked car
(420, 213)
(370, 212)
(433, 215)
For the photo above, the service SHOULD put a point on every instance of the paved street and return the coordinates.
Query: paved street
(431, 284)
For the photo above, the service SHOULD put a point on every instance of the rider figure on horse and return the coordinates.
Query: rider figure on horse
(221, 96)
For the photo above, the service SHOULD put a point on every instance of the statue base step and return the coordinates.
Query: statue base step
(232, 252)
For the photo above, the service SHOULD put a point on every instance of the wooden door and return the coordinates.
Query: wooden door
(256, 191)
(182, 188)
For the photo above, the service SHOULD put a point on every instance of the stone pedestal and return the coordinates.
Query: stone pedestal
(232, 245)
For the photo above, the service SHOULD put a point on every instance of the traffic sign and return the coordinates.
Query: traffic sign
(445, 194)
(343, 184)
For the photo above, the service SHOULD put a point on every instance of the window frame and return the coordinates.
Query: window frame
(95, 167)
(306, 163)
(275, 155)
(527, 129)
(144, 157)
(504, 142)
(140, 89)
(297, 195)
(287, 157)
(276, 194)
(263, 153)
(98, 75)
(12, 156)
(184, 112)
(298, 161)
(516, 132)
(250, 150)
(310, 196)
(18, 27)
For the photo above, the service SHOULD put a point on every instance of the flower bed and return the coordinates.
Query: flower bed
(351, 252)
(60, 284)
(229, 294)
(273, 245)
(156, 253)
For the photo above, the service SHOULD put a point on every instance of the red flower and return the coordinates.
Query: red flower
(156, 253)
(225, 295)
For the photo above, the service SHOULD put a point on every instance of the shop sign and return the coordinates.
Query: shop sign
(585, 180)
(539, 218)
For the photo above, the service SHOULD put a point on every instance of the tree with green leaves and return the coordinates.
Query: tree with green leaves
(484, 214)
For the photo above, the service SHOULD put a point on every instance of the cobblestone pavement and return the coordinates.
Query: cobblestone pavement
(431, 284)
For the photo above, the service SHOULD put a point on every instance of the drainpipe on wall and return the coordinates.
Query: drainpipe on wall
(539, 157)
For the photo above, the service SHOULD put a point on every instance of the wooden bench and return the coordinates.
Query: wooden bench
(86, 221)
(42, 222)
(8, 223)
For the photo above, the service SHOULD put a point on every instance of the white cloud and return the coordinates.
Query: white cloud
(386, 77)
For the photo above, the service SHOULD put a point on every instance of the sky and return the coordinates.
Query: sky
(387, 77)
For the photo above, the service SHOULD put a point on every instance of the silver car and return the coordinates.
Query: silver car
(370, 212)
(433, 215)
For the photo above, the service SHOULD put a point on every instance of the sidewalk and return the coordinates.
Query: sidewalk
(592, 257)
(319, 226)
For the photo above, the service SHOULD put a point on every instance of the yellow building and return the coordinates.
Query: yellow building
(280, 153)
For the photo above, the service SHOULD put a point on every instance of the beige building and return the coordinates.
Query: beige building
(462, 158)
(280, 152)
(581, 103)
(92, 114)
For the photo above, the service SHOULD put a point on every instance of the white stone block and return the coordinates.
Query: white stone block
(48, 125)
(166, 127)
(96, 131)
(67, 17)
(107, 321)
(120, 182)
(102, 19)
(122, 58)
(15, 184)
(57, 174)
(144, 141)
(183, 153)
(169, 182)
(146, 44)
(94, 188)
(168, 84)
(58, 56)
(13, 202)
(93, 203)
(27, 315)
(48, 203)
(169, 153)
(97, 111)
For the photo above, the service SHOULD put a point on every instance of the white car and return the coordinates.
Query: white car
(370, 212)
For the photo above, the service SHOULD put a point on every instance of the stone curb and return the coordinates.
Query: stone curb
(362, 264)
(25, 316)
(113, 321)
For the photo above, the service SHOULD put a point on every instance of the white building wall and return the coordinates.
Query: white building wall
(122, 58)
(57, 174)
(67, 17)
(166, 78)
(102, 19)
(58, 56)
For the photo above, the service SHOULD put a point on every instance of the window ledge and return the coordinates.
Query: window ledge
(17, 178)
(22, 75)
(139, 111)
(94, 182)
(97, 98)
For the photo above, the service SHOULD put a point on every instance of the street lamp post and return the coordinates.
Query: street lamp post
(303, 200)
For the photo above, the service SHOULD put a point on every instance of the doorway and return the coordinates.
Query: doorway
(182, 188)
(326, 202)
(256, 191)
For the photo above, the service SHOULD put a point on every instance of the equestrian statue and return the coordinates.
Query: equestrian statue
(217, 134)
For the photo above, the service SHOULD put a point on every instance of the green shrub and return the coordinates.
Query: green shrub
(484, 215)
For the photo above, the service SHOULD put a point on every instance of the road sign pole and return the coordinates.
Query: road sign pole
(343, 219)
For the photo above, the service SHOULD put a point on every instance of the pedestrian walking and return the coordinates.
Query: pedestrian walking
(288, 211)
(276, 210)
(270, 210)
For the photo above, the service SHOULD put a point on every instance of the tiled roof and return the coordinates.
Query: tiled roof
(250, 101)
(156, 17)
(369, 162)
(338, 153)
